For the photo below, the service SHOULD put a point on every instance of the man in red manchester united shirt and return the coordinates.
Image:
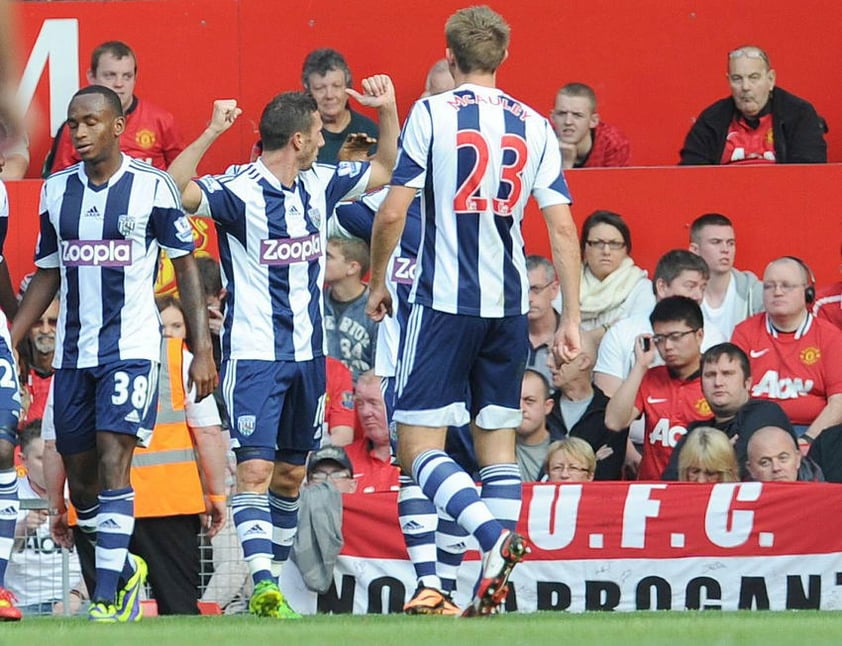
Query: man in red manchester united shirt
(670, 396)
(150, 133)
(795, 357)
(585, 140)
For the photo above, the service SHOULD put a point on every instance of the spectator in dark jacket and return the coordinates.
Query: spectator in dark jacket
(758, 123)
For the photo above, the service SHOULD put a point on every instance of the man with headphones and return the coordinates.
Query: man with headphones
(794, 356)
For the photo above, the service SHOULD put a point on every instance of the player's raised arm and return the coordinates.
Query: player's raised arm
(183, 168)
(378, 92)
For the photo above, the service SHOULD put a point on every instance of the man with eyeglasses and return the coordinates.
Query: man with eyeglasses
(332, 464)
(584, 139)
(330, 475)
(758, 123)
(542, 317)
(794, 356)
(670, 396)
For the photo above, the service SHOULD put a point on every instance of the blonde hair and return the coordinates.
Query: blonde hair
(576, 448)
(478, 38)
(709, 449)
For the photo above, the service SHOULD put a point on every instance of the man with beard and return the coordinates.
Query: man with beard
(39, 373)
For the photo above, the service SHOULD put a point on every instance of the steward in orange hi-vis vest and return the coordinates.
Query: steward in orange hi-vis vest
(165, 476)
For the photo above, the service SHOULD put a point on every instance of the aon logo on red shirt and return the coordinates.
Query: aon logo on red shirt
(666, 435)
(772, 386)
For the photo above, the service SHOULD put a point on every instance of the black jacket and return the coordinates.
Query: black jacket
(826, 451)
(799, 132)
(591, 428)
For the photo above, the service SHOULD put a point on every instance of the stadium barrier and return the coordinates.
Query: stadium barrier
(47, 546)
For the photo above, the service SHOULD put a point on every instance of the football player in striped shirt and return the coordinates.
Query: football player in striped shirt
(103, 223)
(478, 154)
(270, 217)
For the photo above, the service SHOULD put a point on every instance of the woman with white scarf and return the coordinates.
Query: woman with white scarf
(612, 286)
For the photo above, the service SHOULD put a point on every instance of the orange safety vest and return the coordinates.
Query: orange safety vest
(165, 476)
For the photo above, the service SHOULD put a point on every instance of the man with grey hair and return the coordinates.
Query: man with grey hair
(542, 317)
(758, 123)
(586, 141)
(326, 76)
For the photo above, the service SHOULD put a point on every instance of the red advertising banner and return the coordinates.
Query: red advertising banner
(620, 546)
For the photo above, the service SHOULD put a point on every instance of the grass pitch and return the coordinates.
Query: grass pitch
(710, 628)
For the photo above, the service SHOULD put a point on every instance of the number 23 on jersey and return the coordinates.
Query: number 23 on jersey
(473, 167)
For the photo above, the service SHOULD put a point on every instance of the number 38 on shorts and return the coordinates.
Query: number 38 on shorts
(119, 397)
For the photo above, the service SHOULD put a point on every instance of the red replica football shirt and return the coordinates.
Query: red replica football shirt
(799, 370)
(372, 474)
(339, 404)
(669, 405)
(747, 145)
(150, 136)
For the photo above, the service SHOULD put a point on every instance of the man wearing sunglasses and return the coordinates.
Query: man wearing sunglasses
(758, 123)
(670, 395)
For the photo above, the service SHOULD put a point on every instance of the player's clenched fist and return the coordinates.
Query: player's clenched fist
(225, 113)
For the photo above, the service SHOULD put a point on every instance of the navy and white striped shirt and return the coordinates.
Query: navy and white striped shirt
(106, 240)
(477, 154)
(271, 247)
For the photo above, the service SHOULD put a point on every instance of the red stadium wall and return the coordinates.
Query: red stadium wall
(654, 64)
